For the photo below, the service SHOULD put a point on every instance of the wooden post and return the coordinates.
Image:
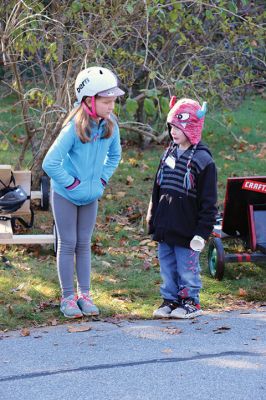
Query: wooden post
(23, 178)
(6, 229)
(5, 175)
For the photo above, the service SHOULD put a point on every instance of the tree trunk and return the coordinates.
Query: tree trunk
(47, 141)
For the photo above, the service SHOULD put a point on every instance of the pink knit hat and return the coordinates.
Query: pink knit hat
(188, 116)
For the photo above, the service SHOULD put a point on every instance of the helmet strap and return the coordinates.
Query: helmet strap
(91, 112)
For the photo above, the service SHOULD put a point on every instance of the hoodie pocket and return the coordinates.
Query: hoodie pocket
(81, 192)
(97, 189)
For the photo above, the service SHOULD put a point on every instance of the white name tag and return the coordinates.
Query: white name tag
(170, 162)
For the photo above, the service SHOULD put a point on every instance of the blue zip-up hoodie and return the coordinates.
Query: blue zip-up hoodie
(68, 158)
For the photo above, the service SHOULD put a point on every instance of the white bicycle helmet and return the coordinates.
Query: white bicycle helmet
(96, 80)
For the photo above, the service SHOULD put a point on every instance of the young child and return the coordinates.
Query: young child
(80, 163)
(182, 209)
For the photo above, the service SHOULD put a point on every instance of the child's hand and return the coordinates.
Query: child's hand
(148, 216)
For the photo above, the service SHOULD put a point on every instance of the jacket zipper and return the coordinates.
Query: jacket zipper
(95, 158)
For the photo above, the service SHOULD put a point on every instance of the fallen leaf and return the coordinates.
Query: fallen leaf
(25, 332)
(117, 318)
(97, 249)
(142, 256)
(9, 309)
(106, 264)
(133, 162)
(229, 157)
(145, 241)
(26, 297)
(152, 244)
(146, 265)
(144, 167)
(262, 153)
(21, 286)
(155, 261)
(172, 331)
(130, 180)
(73, 329)
(134, 217)
(46, 304)
(242, 292)
(112, 280)
(246, 129)
(167, 351)
(44, 227)
(120, 195)
(128, 228)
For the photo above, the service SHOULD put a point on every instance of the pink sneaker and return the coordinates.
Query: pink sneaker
(86, 305)
(69, 307)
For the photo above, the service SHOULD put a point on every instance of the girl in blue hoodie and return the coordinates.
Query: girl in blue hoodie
(80, 163)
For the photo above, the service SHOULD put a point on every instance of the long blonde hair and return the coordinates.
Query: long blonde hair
(82, 124)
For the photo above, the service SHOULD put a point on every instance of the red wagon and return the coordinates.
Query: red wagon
(244, 217)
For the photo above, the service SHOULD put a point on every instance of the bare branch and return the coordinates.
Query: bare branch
(144, 131)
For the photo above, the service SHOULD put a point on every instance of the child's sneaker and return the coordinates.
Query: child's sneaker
(86, 305)
(187, 309)
(69, 307)
(165, 309)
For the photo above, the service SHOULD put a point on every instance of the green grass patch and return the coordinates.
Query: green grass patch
(125, 271)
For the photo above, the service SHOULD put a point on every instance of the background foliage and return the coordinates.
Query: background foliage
(211, 50)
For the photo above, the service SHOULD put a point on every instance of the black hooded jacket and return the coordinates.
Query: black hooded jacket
(176, 214)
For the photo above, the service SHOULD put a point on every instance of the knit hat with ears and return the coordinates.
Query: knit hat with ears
(188, 116)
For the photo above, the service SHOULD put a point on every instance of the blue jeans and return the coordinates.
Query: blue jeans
(180, 272)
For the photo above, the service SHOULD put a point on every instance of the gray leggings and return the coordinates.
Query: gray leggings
(74, 225)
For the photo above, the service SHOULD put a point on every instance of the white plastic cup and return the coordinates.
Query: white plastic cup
(197, 243)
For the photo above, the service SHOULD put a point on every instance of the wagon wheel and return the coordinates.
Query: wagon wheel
(55, 239)
(45, 188)
(216, 258)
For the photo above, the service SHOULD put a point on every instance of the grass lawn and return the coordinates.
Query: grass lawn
(125, 270)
